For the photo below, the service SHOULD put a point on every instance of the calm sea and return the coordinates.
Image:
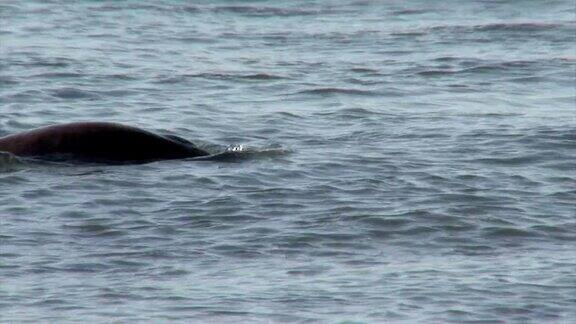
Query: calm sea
(396, 161)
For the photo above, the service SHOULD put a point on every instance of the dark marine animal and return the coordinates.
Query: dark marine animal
(98, 142)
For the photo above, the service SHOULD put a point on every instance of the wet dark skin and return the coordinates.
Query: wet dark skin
(98, 142)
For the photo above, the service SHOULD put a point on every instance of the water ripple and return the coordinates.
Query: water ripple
(335, 91)
(373, 161)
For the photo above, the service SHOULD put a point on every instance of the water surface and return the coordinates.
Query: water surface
(397, 162)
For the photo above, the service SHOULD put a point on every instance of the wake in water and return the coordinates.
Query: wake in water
(233, 154)
(9, 161)
(239, 153)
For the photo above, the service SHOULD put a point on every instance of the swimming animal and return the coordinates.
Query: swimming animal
(98, 142)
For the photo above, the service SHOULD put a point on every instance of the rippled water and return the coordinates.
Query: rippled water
(395, 162)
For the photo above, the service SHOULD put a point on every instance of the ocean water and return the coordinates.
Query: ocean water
(395, 162)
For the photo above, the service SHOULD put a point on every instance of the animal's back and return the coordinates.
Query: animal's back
(98, 141)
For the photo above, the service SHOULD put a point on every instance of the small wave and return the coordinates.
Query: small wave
(9, 162)
(189, 9)
(220, 76)
(169, 80)
(124, 77)
(271, 11)
(96, 230)
(332, 91)
(490, 115)
(117, 93)
(447, 59)
(529, 79)
(436, 72)
(52, 62)
(240, 153)
(484, 29)
(387, 223)
(195, 40)
(288, 115)
(27, 96)
(507, 232)
(567, 166)
(406, 12)
(358, 112)
(231, 76)
(476, 66)
(528, 26)
(108, 7)
(5, 8)
(563, 232)
(73, 93)
(59, 75)
(496, 27)
(4, 80)
(102, 35)
(262, 76)
(512, 161)
(484, 68)
(363, 70)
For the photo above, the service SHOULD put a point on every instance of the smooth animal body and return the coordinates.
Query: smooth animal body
(98, 142)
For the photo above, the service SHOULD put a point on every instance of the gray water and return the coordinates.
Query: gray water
(395, 161)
